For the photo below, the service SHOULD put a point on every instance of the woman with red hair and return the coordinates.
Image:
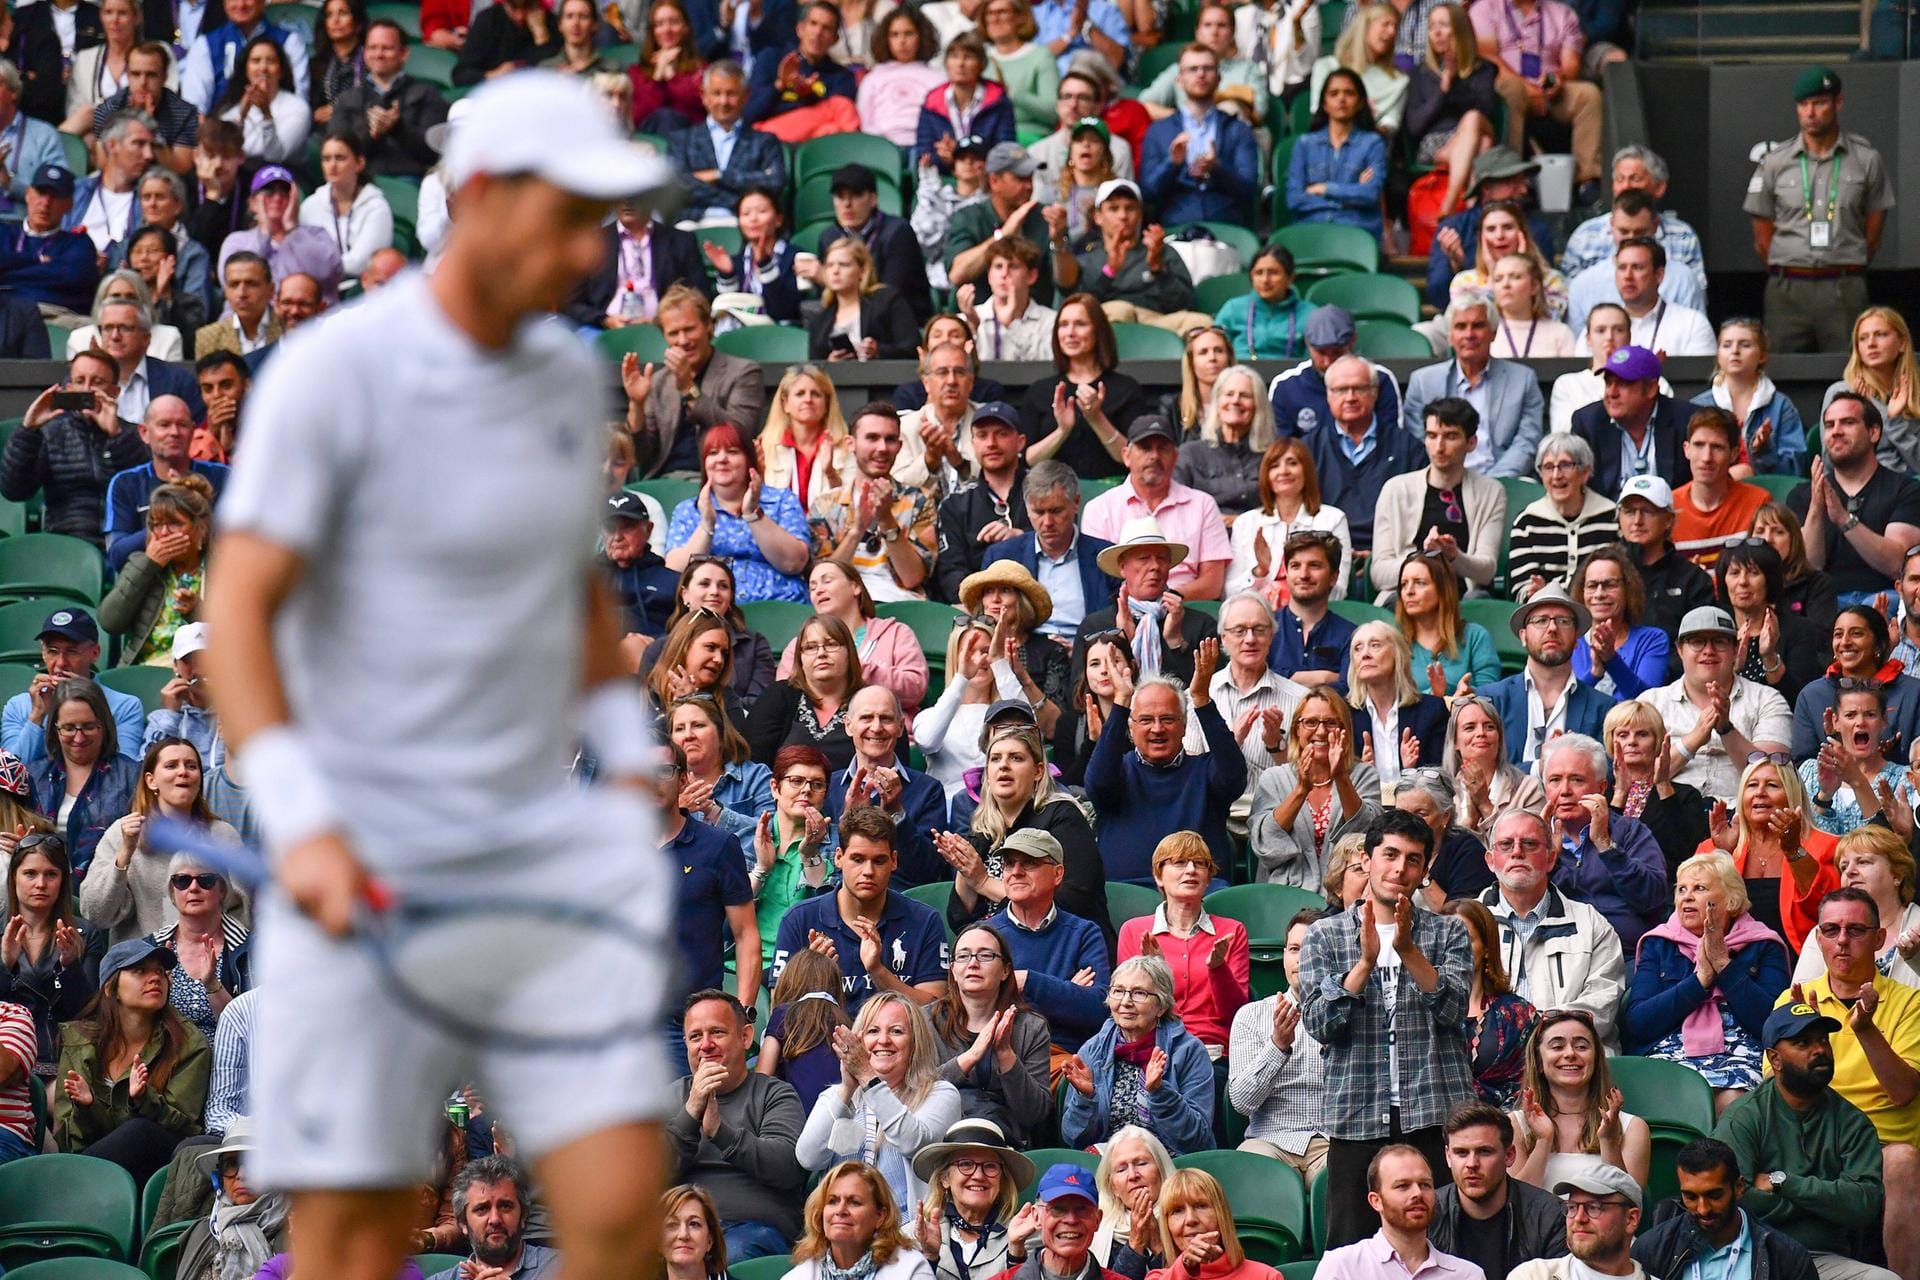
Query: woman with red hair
(760, 530)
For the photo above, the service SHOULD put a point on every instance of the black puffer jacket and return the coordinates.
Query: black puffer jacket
(1536, 1227)
(72, 460)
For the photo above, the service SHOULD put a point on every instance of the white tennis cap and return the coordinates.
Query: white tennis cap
(548, 125)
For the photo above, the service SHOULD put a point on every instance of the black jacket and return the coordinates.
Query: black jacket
(1674, 585)
(494, 39)
(55, 993)
(1536, 1223)
(1667, 1250)
(72, 460)
(963, 513)
(676, 260)
(43, 81)
(1669, 426)
(403, 152)
(896, 258)
(884, 317)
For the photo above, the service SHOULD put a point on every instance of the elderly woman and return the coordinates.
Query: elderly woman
(1459, 864)
(1776, 648)
(1808, 593)
(1786, 864)
(890, 653)
(1445, 647)
(724, 785)
(1323, 791)
(160, 588)
(810, 706)
(693, 1242)
(707, 583)
(1487, 783)
(1006, 592)
(1569, 1107)
(1132, 1171)
(804, 445)
(993, 1048)
(1289, 504)
(1235, 433)
(50, 959)
(1554, 533)
(1141, 1068)
(101, 1107)
(1399, 727)
(83, 780)
(1617, 655)
(1705, 979)
(1498, 1021)
(853, 1229)
(155, 254)
(163, 203)
(1198, 1229)
(1206, 953)
(1675, 813)
(126, 285)
(890, 1102)
(1018, 791)
(974, 1180)
(1876, 860)
(127, 891)
(759, 527)
(245, 1228)
(1861, 646)
(212, 961)
(1851, 781)
(1346, 875)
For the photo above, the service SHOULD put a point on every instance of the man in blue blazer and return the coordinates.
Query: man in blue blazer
(1065, 561)
(1200, 164)
(126, 332)
(754, 159)
(1545, 699)
(1632, 414)
(1512, 411)
(878, 775)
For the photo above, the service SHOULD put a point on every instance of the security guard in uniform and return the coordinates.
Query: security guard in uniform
(1818, 205)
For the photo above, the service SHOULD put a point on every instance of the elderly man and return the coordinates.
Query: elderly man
(1299, 394)
(1552, 534)
(167, 430)
(1492, 1220)
(1010, 210)
(1256, 701)
(1602, 1213)
(1504, 393)
(1674, 586)
(297, 301)
(1064, 560)
(1640, 171)
(1069, 1220)
(69, 648)
(1357, 453)
(278, 237)
(1080, 96)
(1634, 430)
(1545, 699)
(31, 143)
(383, 266)
(1499, 174)
(1716, 718)
(1311, 642)
(44, 263)
(1400, 1193)
(248, 324)
(884, 530)
(878, 775)
(1858, 515)
(643, 587)
(721, 157)
(732, 1131)
(1634, 217)
(668, 409)
(1163, 632)
(897, 259)
(68, 455)
(1657, 323)
(1812, 1159)
(988, 510)
(106, 205)
(1200, 163)
(1558, 952)
(936, 440)
(1608, 861)
(216, 56)
(1876, 1051)
(1186, 515)
(1713, 510)
(492, 1202)
(1446, 510)
(389, 112)
(1716, 1227)
(1157, 787)
(126, 334)
(1130, 271)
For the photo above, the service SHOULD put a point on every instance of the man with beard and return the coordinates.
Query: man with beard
(1811, 1157)
(1602, 1212)
(490, 1203)
(1490, 1219)
(1545, 699)
(1716, 1233)
(1400, 1189)
(1069, 1216)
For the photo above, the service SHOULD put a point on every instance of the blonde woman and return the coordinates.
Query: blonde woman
(1523, 329)
(805, 448)
(1302, 807)
(1487, 783)
(1787, 863)
(1366, 49)
(1027, 70)
(1675, 813)
(1209, 351)
(1235, 433)
(1876, 860)
(1451, 103)
(890, 1101)
(1398, 727)
(1197, 1226)
(860, 318)
(1771, 430)
(1883, 369)
(854, 1229)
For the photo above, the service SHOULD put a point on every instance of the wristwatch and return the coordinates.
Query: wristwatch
(1853, 519)
(1775, 1178)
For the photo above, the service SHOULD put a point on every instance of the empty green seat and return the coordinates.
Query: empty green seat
(1263, 910)
(1496, 616)
(824, 155)
(1780, 487)
(403, 197)
(770, 1268)
(1129, 902)
(1671, 1097)
(1390, 340)
(668, 493)
(1145, 342)
(621, 55)
(778, 620)
(767, 343)
(50, 566)
(936, 896)
(66, 1206)
(78, 1269)
(1151, 62)
(406, 15)
(1212, 294)
(1369, 297)
(643, 340)
(432, 1264)
(435, 66)
(143, 682)
(1359, 611)
(1330, 247)
(932, 623)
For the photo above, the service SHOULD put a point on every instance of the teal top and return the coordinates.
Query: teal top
(1031, 77)
(1476, 655)
(1279, 328)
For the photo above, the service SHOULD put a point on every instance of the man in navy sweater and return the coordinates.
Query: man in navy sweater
(1157, 788)
(39, 262)
(1356, 454)
(168, 431)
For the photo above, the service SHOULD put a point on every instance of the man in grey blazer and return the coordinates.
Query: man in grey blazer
(1504, 392)
(671, 405)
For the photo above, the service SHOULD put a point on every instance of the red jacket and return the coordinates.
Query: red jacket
(681, 93)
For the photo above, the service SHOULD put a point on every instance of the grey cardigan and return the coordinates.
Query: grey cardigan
(1286, 854)
(1019, 1100)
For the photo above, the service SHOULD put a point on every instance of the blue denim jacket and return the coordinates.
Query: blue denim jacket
(107, 797)
(1347, 199)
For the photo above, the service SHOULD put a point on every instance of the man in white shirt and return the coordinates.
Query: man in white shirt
(1273, 1068)
(1634, 216)
(1010, 324)
(106, 204)
(936, 439)
(1715, 718)
(1662, 327)
(1256, 701)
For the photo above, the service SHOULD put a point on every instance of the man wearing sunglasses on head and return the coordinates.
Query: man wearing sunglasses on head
(1444, 510)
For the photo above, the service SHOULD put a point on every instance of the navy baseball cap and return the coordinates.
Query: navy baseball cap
(627, 505)
(1794, 1019)
(1635, 364)
(70, 624)
(122, 956)
(1057, 1183)
(1329, 327)
(55, 178)
(997, 411)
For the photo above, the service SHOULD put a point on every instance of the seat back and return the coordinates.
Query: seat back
(766, 343)
(1369, 297)
(778, 620)
(1389, 340)
(932, 623)
(1145, 342)
(50, 566)
(644, 341)
(1044, 1158)
(78, 1268)
(143, 682)
(768, 1268)
(66, 1204)
(1669, 1096)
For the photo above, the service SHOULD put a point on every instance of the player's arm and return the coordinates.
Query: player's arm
(745, 924)
(613, 714)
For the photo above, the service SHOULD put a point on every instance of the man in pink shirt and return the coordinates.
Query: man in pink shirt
(1186, 515)
(1537, 45)
(1400, 1189)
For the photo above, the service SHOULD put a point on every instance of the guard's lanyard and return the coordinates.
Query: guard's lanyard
(1833, 185)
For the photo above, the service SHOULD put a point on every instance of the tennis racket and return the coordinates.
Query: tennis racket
(527, 974)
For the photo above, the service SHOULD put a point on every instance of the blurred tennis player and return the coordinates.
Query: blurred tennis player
(409, 641)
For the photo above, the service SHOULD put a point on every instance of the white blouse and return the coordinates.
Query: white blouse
(366, 228)
(1328, 519)
(277, 135)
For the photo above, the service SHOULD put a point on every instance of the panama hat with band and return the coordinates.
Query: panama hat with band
(973, 1134)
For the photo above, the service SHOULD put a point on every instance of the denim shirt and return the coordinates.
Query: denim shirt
(1347, 199)
(105, 799)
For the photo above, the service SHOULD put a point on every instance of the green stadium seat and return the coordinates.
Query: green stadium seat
(1244, 242)
(771, 1268)
(1209, 607)
(807, 238)
(1264, 909)
(778, 620)
(1212, 294)
(1261, 1192)
(1151, 62)
(824, 155)
(78, 1269)
(80, 160)
(653, 141)
(1144, 342)
(935, 895)
(1282, 157)
(13, 516)
(1317, 1202)
(668, 493)
(407, 15)
(150, 1198)
(1330, 247)
(304, 16)
(50, 566)
(20, 625)
(1359, 611)
(728, 238)
(1671, 1097)
(1496, 616)
(1780, 487)
(1370, 297)
(643, 340)
(160, 1250)
(1521, 494)
(1390, 340)
(1129, 901)
(143, 682)
(435, 66)
(403, 197)
(621, 55)
(66, 1206)
(15, 677)
(932, 624)
(767, 343)
(1091, 489)
(1302, 1270)
(1044, 1158)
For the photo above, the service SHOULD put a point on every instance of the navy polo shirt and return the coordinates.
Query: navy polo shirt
(713, 877)
(913, 942)
(1325, 649)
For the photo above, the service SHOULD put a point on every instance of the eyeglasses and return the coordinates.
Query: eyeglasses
(799, 783)
(984, 621)
(229, 1166)
(77, 730)
(1127, 995)
(205, 879)
(1205, 864)
(1851, 932)
(963, 958)
(967, 1166)
(1360, 390)
(1249, 629)
(1780, 758)
(1556, 465)
(1554, 621)
(1593, 1208)
(1520, 846)
(812, 647)
(112, 329)
(1309, 725)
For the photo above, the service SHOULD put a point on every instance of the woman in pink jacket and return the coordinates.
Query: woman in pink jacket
(890, 653)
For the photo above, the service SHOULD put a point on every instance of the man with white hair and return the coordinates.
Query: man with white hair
(1504, 393)
(1608, 860)
(1256, 701)
(1716, 718)
(1356, 454)
(1635, 168)
(126, 335)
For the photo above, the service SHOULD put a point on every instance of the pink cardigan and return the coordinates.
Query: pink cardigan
(890, 656)
(1206, 999)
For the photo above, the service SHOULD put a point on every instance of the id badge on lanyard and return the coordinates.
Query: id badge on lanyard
(1529, 65)
(1820, 235)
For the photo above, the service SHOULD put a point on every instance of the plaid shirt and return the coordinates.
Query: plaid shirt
(1592, 242)
(1353, 1030)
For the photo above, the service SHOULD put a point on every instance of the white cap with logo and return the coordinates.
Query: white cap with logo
(189, 639)
(548, 125)
(1649, 489)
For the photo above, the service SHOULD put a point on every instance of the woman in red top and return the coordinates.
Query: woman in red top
(1207, 953)
(1201, 1242)
(666, 77)
(1786, 862)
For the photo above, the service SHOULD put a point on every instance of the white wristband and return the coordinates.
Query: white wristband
(614, 721)
(280, 772)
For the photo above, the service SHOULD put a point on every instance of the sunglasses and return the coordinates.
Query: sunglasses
(1779, 758)
(1450, 504)
(1858, 684)
(205, 879)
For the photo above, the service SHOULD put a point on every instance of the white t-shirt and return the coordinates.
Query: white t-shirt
(108, 217)
(1387, 973)
(446, 501)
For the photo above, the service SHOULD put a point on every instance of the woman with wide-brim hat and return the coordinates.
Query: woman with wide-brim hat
(1006, 592)
(246, 1227)
(968, 1225)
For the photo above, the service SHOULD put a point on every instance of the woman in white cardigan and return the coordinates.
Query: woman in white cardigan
(261, 99)
(349, 206)
(854, 1231)
(890, 1101)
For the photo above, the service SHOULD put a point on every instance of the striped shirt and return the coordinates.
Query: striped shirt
(227, 1093)
(1280, 1093)
(17, 1039)
(178, 123)
(1546, 543)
